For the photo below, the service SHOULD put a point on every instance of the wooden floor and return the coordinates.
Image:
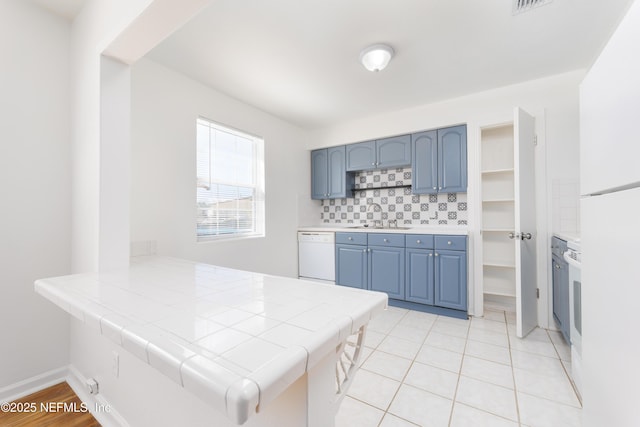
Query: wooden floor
(57, 405)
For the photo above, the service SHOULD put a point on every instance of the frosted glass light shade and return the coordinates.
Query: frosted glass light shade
(376, 57)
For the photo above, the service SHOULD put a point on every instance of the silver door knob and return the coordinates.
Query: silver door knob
(514, 235)
(525, 236)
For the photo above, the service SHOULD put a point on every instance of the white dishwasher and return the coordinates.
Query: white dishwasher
(316, 256)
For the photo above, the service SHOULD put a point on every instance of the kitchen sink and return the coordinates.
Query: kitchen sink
(369, 227)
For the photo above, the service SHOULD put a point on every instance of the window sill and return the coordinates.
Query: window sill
(227, 237)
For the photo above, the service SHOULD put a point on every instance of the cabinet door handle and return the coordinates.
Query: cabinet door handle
(350, 238)
(435, 188)
(418, 241)
(449, 242)
(430, 254)
(373, 164)
(364, 250)
(439, 188)
(385, 240)
(436, 253)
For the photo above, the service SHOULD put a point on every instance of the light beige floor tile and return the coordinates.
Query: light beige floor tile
(364, 355)
(466, 416)
(490, 352)
(496, 316)
(432, 379)
(419, 320)
(536, 363)
(388, 365)
(421, 407)
(399, 347)
(453, 329)
(409, 333)
(553, 387)
(485, 370)
(439, 358)
(489, 337)
(487, 397)
(446, 342)
(532, 346)
(390, 420)
(453, 321)
(355, 413)
(488, 325)
(538, 412)
(373, 339)
(373, 389)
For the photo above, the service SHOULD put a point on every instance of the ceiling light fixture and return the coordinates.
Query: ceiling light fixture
(376, 57)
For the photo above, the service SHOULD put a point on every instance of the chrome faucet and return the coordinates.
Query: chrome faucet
(380, 209)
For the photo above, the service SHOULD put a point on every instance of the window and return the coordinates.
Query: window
(230, 182)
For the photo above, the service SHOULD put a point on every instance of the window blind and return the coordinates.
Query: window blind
(230, 182)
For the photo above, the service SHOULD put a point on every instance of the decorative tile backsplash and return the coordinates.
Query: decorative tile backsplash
(397, 203)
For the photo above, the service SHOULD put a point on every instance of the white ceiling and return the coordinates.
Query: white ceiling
(298, 59)
(68, 9)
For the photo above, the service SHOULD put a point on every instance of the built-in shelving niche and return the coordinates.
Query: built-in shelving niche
(498, 217)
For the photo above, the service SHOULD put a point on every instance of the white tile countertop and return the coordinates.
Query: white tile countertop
(356, 228)
(234, 338)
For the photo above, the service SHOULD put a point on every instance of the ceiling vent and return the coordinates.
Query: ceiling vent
(521, 6)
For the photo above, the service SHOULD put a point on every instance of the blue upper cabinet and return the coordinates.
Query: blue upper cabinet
(452, 159)
(393, 152)
(319, 174)
(329, 178)
(361, 156)
(382, 153)
(424, 177)
(439, 161)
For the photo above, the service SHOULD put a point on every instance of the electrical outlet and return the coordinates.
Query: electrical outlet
(115, 363)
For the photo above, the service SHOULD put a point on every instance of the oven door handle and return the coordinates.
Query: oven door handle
(572, 262)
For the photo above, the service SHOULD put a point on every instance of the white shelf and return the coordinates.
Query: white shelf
(497, 171)
(497, 264)
(500, 294)
(497, 230)
(499, 201)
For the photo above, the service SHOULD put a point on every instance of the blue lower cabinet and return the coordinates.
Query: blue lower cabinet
(451, 279)
(420, 276)
(386, 270)
(416, 271)
(351, 266)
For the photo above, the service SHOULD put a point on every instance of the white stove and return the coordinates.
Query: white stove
(573, 256)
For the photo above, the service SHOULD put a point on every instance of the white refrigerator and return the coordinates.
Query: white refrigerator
(610, 229)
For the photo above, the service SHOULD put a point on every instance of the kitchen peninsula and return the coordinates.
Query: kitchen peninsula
(259, 349)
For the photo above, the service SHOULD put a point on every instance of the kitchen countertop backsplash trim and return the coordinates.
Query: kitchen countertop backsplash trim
(399, 204)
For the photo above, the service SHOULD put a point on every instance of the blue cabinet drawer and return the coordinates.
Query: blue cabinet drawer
(452, 243)
(352, 238)
(386, 239)
(419, 241)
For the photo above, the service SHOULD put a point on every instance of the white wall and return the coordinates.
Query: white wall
(34, 187)
(165, 105)
(554, 103)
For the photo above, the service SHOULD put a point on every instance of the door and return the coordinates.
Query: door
(424, 150)
(420, 276)
(351, 266)
(451, 279)
(386, 270)
(525, 236)
(336, 176)
(452, 159)
(319, 178)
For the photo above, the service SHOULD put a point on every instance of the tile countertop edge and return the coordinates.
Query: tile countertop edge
(462, 231)
(235, 394)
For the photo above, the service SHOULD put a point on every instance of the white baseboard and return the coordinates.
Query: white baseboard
(99, 407)
(31, 385)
